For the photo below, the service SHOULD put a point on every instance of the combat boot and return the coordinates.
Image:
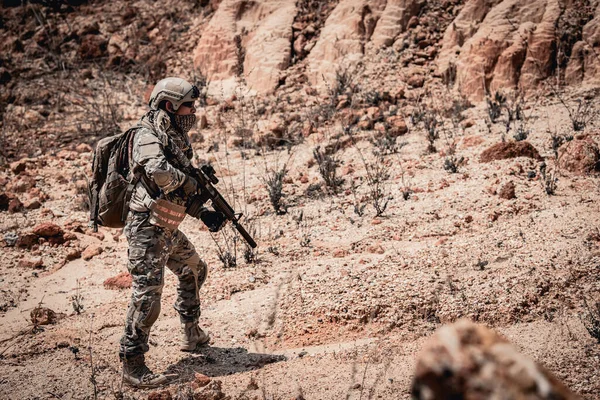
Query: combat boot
(192, 336)
(137, 374)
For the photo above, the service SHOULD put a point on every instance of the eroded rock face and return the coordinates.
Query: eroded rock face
(249, 38)
(469, 361)
(343, 38)
(511, 44)
(254, 39)
(394, 20)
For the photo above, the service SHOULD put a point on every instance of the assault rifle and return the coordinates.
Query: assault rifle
(205, 176)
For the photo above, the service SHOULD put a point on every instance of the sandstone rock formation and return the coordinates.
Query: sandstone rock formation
(254, 39)
(511, 44)
(394, 20)
(353, 24)
(249, 38)
(470, 361)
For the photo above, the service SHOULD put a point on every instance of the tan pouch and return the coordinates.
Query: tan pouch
(166, 214)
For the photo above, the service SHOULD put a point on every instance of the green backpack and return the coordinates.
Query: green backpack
(111, 187)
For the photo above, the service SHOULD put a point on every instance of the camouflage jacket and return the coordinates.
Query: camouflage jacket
(162, 175)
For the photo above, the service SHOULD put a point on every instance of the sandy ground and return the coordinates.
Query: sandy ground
(337, 305)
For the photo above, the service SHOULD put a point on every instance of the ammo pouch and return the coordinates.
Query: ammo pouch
(166, 214)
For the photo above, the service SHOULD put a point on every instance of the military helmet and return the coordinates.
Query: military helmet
(175, 90)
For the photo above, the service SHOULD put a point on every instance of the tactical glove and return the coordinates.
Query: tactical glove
(214, 220)
(190, 186)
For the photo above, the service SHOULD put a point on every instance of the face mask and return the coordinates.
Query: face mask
(184, 122)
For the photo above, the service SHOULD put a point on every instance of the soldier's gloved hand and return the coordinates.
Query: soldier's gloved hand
(190, 186)
(214, 220)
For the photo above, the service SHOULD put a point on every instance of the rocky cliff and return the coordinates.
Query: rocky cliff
(489, 45)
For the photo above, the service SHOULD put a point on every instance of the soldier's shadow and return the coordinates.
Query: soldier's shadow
(220, 361)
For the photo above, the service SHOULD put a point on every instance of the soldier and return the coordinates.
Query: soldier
(156, 208)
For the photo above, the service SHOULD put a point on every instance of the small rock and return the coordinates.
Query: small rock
(73, 254)
(507, 191)
(121, 281)
(580, 156)
(413, 22)
(15, 205)
(69, 236)
(201, 379)
(10, 239)
(91, 251)
(42, 316)
(84, 148)
(32, 204)
(160, 395)
(376, 249)
(27, 240)
(203, 123)
(18, 166)
(35, 262)
(467, 123)
(48, 229)
(339, 253)
(416, 81)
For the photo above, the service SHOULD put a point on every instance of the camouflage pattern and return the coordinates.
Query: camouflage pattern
(152, 247)
(149, 154)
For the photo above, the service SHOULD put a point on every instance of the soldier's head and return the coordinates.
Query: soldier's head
(177, 97)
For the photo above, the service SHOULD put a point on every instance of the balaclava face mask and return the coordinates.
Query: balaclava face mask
(183, 123)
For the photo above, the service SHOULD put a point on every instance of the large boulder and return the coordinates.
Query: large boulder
(469, 361)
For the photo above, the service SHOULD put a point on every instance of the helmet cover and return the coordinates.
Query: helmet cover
(175, 90)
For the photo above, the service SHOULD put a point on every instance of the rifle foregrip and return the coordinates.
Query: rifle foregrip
(245, 235)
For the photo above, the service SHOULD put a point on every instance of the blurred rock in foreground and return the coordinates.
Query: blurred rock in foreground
(469, 361)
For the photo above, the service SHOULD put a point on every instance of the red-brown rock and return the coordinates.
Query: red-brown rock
(507, 191)
(73, 254)
(201, 379)
(15, 205)
(48, 229)
(160, 395)
(505, 150)
(416, 81)
(35, 262)
(91, 251)
(32, 204)
(579, 156)
(27, 240)
(43, 316)
(469, 361)
(397, 125)
(121, 281)
(18, 166)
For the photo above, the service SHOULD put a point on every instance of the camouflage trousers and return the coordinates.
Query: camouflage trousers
(150, 249)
